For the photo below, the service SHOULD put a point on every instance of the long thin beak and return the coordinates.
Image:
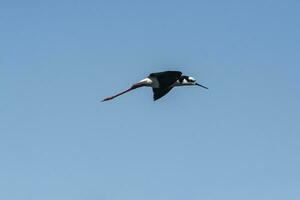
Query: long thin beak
(201, 85)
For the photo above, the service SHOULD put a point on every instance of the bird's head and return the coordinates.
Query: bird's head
(188, 80)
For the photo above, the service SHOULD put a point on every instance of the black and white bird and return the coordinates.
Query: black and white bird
(161, 83)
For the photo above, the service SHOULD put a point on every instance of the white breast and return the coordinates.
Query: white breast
(183, 83)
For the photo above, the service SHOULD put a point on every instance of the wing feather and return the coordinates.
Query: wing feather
(158, 93)
(167, 78)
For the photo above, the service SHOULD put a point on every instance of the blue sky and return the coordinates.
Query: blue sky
(238, 140)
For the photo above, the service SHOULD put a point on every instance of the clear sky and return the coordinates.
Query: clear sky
(237, 140)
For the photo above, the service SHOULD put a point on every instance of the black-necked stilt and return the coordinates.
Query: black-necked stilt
(161, 83)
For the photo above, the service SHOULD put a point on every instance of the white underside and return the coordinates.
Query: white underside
(153, 82)
(150, 82)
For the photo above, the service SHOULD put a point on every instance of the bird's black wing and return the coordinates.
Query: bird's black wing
(160, 92)
(167, 78)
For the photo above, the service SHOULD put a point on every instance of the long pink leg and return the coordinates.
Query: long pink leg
(128, 90)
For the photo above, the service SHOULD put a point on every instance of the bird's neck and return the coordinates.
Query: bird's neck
(181, 83)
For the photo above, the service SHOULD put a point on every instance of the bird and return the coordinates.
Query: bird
(161, 83)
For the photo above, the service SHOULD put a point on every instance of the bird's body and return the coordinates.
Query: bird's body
(161, 83)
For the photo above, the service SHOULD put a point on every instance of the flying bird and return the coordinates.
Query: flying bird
(161, 83)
